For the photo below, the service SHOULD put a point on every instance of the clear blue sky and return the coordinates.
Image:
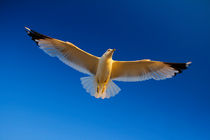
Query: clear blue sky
(42, 99)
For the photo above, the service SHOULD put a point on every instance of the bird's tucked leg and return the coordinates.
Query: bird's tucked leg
(98, 92)
(97, 89)
(104, 85)
(104, 88)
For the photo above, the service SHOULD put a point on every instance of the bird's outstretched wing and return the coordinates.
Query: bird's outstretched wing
(145, 69)
(66, 52)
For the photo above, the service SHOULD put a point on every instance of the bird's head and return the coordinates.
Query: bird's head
(109, 53)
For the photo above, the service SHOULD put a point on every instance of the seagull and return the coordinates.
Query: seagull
(103, 70)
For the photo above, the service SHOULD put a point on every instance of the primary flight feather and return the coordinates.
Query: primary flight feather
(103, 70)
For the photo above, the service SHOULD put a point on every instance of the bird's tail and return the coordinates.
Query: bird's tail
(112, 89)
(90, 85)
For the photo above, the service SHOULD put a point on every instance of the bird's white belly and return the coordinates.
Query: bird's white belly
(103, 71)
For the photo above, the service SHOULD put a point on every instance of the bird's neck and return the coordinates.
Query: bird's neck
(106, 58)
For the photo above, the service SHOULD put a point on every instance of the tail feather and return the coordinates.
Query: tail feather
(112, 89)
(90, 85)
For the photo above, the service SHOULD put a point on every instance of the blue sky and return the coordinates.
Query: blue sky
(42, 99)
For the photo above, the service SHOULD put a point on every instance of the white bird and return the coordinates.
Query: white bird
(103, 70)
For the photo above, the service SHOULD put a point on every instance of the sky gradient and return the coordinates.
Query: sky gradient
(42, 99)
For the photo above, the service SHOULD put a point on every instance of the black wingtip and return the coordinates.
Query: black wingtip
(179, 66)
(35, 35)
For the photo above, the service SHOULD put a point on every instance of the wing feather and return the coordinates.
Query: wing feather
(145, 69)
(67, 52)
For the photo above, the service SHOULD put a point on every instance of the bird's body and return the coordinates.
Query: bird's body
(103, 70)
(103, 74)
